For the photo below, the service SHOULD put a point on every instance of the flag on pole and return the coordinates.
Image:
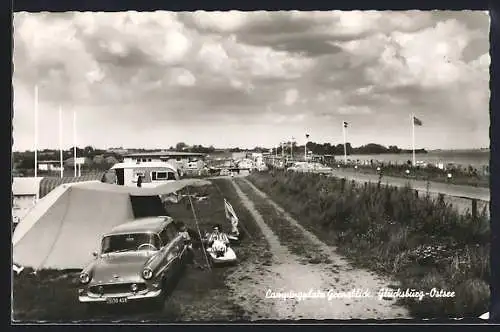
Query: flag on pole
(416, 121)
(231, 216)
(345, 124)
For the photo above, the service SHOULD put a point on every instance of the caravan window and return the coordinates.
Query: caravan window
(161, 175)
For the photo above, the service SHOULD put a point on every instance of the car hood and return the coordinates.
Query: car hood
(118, 268)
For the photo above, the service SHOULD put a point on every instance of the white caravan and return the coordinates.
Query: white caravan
(153, 173)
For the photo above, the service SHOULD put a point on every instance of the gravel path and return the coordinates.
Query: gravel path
(289, 273)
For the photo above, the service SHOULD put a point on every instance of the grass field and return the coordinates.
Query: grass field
(424, 243)
(199, 295)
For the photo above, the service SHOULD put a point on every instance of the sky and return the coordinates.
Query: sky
(246, 79)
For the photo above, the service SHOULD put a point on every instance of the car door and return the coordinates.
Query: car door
(178, 246)
(169, 254)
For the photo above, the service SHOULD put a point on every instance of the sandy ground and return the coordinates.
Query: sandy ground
(253, 284)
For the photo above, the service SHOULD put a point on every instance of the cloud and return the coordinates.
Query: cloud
(194, 75)
(184, 77)
(291, 97)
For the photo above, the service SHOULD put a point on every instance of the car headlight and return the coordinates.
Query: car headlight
(84, 278)
(147, 273)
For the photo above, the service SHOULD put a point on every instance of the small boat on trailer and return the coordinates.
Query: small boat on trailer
(220, 253)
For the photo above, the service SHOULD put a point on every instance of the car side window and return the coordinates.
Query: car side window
(165, 239)
(171, 231)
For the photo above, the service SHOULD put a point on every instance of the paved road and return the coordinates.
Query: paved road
(479, 193)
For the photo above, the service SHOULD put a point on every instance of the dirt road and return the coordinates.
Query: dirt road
(470, 192)
(303, 263)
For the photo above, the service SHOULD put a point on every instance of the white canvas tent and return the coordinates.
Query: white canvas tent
(65, 227)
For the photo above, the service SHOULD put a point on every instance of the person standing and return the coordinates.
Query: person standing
(139, 181)
(184, 232)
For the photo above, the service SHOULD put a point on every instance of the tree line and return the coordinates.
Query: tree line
(95, 158)
(101, 158)
(331, 149)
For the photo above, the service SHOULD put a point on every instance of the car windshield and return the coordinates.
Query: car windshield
(130, 242)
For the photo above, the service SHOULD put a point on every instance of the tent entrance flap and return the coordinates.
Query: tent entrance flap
(147, 206)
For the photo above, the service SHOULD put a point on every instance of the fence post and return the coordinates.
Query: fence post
(474, 208)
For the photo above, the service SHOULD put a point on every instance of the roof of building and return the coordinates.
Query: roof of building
(146, 164)
(49, 161)
(142, 225)
(164, 154)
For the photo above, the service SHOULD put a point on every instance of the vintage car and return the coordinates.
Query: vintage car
(298, 167)
(320, 168)
(137, 261)
(309, 168)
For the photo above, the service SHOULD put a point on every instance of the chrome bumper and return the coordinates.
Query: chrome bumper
(130, 297)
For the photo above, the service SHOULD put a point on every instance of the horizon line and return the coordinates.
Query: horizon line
(246, 148)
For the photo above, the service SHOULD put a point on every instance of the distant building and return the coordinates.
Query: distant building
(119, 151)
(239, 155)
(182, 160)
(49, 165)
(79, 161)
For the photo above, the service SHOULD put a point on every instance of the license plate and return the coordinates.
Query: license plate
(116, 300)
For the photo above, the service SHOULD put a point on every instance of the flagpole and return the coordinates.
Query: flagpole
(36, 131)
(305, 149)
(74, 143)
(413, 137)
(60, 142)
(345, 145)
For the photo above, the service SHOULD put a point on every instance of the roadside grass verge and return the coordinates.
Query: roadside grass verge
(289, 235)
(199, 295)
(422, 242)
